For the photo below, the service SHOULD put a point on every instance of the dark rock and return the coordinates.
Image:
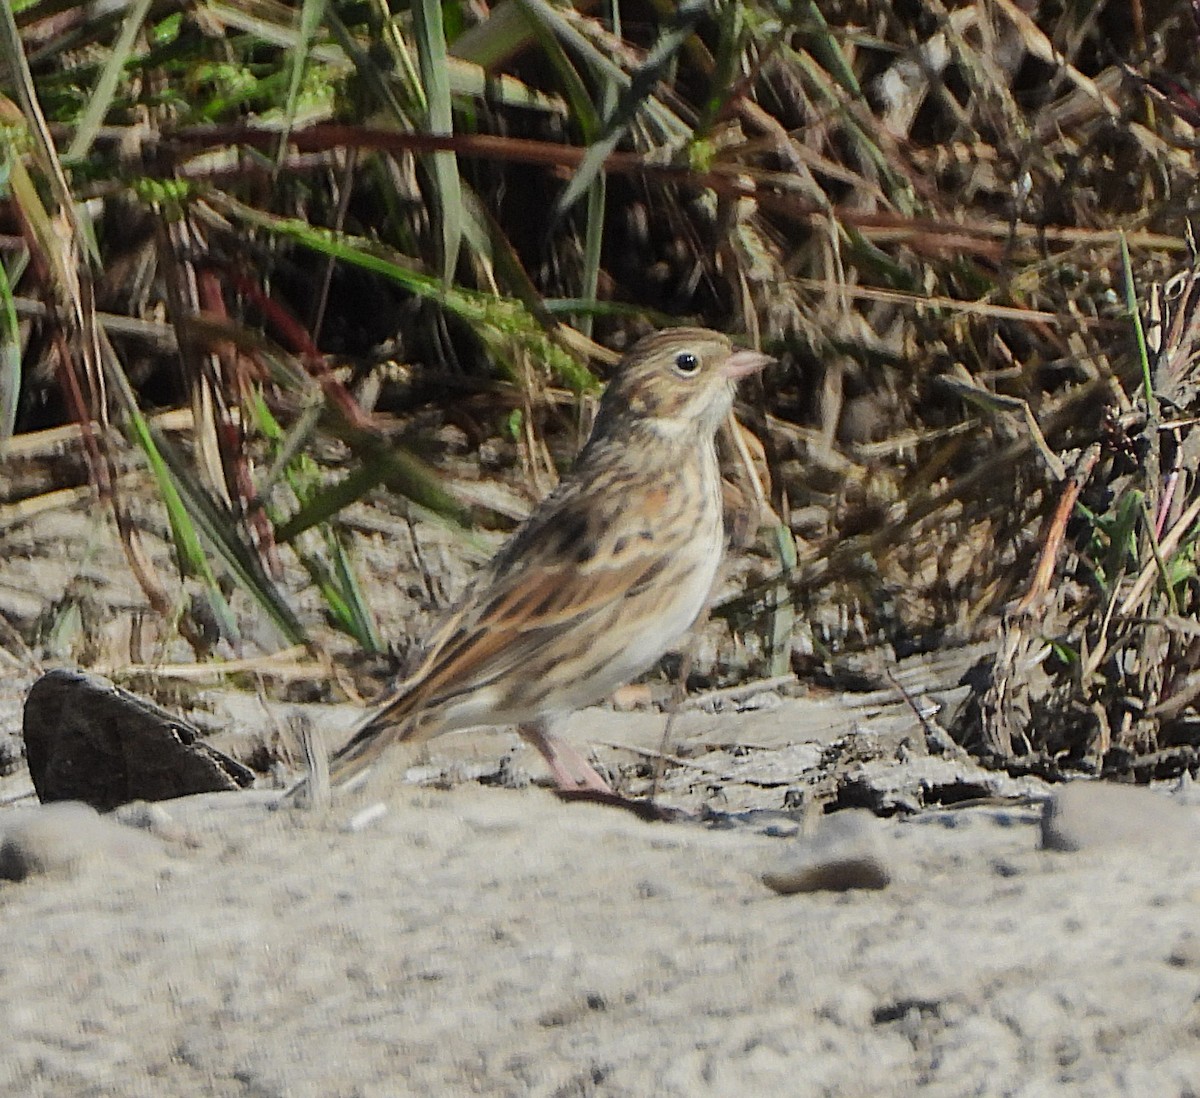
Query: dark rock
(88, 740)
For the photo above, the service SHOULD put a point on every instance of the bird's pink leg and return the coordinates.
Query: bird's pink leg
(571, 771)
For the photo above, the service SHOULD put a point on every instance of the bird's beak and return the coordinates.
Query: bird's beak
(744, 363)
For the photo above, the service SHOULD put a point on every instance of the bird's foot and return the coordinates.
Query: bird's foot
(570, 770)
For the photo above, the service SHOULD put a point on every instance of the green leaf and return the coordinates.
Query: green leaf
(431, 56)
(10, 360)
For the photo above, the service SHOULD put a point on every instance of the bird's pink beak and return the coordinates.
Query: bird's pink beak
(744, 363)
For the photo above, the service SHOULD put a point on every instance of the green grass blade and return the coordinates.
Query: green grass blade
(195, 518)
(102, 94)
(381, 465)
(219, 529)
(593, 239)
(596, 60)
(10, 360)
(492, 318)
(824, 47)
(363, 63)
(491, 42)
(311, 14)
(443, 166)
(583, 113)
(633, 98)
(358, 607)
(1139, 333)
(189, 549)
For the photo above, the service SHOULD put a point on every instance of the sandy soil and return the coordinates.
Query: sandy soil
(475, 940)
(456, 938)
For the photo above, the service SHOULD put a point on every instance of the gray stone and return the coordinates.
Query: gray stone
(1095, 815)
(64, 838)
(845, 852)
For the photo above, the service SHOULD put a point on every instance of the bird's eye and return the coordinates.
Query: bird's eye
(686, 363)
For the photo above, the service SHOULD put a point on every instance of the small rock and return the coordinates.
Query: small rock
(846, 852)
(625, 699)
(1096, 815)
(63, 838)
(367, 817)
(850, 1006)
(145, 815)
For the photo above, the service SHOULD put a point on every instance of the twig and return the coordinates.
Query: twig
(1057, 527)
(282, 664)
(738, 693)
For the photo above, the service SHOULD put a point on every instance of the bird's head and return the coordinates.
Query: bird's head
(677, 383)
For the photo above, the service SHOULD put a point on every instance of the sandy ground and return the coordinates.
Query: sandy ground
(486, 940)
(457, 938)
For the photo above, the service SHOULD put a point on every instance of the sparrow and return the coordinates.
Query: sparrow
(605, 576)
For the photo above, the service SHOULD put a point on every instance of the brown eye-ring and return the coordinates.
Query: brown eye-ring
(686, 363)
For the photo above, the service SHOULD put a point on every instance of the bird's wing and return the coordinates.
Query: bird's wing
(569, 572)
(571, 564)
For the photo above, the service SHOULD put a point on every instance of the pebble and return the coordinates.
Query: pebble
(626, 699)
(148, 816)
(64, 838)
(845, 852)
(1095, 815)
(366, 817)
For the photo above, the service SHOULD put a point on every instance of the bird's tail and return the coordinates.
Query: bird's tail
(394, 720)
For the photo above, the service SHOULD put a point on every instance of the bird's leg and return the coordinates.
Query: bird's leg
(570, 769)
